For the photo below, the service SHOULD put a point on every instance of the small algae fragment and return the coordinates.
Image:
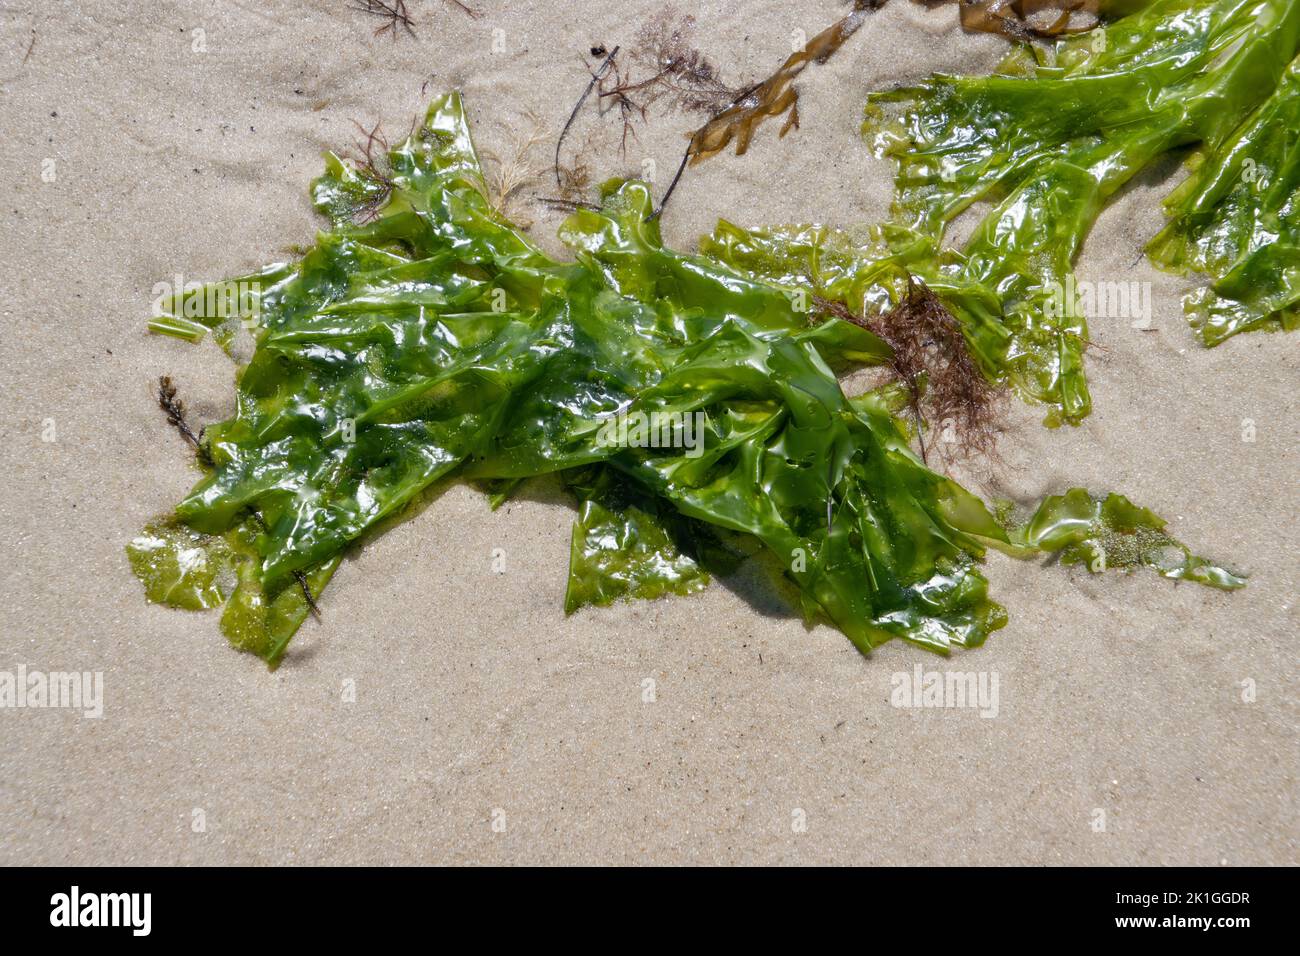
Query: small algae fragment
(182, 567)
(263, 624)
(628, 554)
(1115, 533)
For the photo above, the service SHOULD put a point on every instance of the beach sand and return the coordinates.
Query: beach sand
(488, 727)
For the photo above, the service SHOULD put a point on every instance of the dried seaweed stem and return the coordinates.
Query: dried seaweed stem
(175, 409)
(568, 124)
(395, 15)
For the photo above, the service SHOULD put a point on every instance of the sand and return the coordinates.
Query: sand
(486, 727)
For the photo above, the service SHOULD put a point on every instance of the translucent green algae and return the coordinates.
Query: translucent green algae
(1114, 533)
(436, 340)
(182, 567)
(1056, 132)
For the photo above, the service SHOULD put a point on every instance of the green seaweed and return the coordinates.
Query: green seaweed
(682, 400)
(1114, 533)
(625, 554)
(1236, 218)
(181, 567)
(1056, 132)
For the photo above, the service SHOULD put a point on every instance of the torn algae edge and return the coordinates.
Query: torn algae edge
(436, 340)
(1051, 137)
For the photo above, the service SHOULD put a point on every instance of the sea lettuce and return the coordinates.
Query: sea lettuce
(436, 340)
(1056, 132)
(1112, 532)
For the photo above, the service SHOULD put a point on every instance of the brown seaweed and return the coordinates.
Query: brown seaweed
(932, 362)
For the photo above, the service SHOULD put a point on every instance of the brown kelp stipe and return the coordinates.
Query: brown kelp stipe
(1023, 20)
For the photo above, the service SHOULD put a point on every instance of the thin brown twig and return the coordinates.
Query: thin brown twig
(31, 46)
(470, 11)
(306, 593)
(559, 202)
(668, 194)
(394, 14)
(595, 78)
(297, 575)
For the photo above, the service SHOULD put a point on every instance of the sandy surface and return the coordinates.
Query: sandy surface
(476, 699)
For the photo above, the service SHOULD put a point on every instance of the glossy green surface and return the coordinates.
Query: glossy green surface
(1114, 533)
(625, 554)
(1237, 219)
(1052, 137)
(437, 340)
(182, 567)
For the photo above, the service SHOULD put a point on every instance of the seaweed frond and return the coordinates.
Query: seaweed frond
(777, 95)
